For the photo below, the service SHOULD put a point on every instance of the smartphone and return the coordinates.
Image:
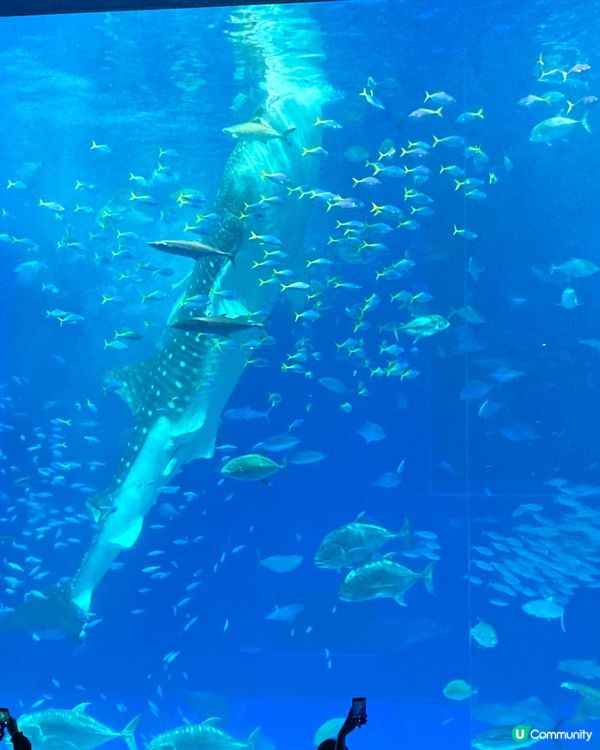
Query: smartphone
(4, 716)
(359, 710)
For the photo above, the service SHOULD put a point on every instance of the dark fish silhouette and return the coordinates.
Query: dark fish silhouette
(189, 249)
(217, 325)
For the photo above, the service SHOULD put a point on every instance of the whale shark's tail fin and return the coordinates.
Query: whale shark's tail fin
(49, 614)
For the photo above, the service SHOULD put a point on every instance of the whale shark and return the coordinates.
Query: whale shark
(176, 398)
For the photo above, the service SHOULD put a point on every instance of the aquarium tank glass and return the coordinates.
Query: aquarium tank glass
(299, 394)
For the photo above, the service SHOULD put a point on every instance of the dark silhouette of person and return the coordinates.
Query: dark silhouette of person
(18, 739)
(339, 743)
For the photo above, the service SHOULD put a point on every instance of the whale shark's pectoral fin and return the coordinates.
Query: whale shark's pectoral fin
(47, 615)
(231, 308)
(100, 505)
(131, 382)
(128, 535)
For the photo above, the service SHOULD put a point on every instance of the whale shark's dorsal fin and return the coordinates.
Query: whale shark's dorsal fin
(132, 382)
(81, 707)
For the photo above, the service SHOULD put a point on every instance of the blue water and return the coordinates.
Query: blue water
(462, 467)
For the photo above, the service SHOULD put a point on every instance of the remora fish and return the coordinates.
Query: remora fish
(216, 325)
(259, 130)
(57, 728)
(189, 249)
(177, 396)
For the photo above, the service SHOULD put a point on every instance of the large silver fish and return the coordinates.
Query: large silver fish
(205, 736)
(354, 542)
(57, 728)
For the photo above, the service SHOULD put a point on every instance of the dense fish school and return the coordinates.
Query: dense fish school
(300, 375)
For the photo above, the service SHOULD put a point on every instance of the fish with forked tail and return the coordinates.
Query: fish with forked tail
(383, 579)
(354, 542)
(56, 728)
(47, 617)
(216, 325)
(205, 736)
(258, 130)
(189, 249)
